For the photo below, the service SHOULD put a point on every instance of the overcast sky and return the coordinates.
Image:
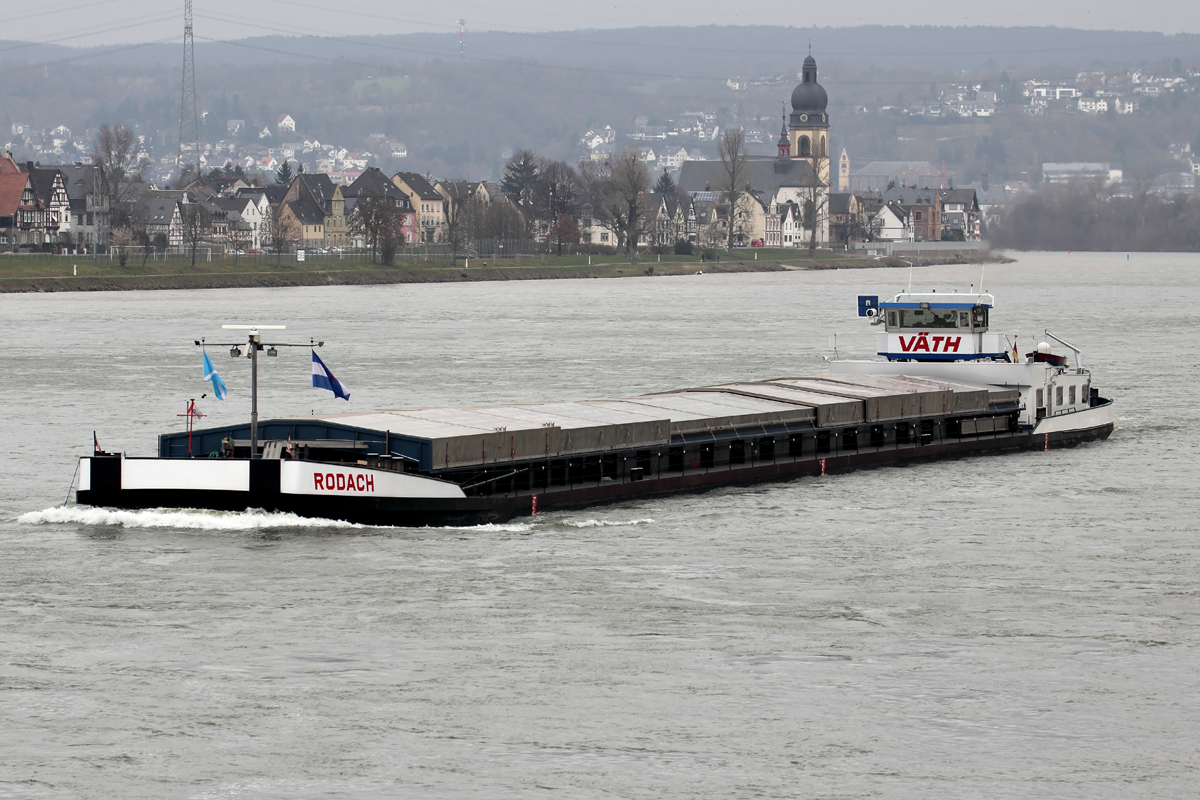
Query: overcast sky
(102, 22)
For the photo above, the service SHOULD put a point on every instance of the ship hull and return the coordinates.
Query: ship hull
(114, 481)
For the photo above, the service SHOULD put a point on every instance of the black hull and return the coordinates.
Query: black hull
(408, 512)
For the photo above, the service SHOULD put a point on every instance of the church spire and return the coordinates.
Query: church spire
(784, 144)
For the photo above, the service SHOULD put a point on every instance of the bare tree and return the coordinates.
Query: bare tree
(815, 195)
(555, 193)
(378, 220)
(564, 232)
(115, 151)
(734, 179)
(617, 191)
(502, 221)
(121, 240)
(457, 235)
(197, 226)
(141, 235)
(280, 230)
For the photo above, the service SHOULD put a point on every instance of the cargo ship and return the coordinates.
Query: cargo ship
(944, 386)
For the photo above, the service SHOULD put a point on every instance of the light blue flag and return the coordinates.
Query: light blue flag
(210, 374)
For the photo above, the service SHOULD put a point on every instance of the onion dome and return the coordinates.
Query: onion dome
(809, 97)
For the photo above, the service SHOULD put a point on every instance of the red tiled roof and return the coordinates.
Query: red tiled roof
(11, 188)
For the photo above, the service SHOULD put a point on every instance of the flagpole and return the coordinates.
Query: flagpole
(254, 339)
(255, 343)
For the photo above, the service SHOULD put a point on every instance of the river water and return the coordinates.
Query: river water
(1000, 627)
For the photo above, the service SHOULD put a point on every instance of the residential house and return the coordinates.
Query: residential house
(674, 220)
(89, 213)
(250, 211)
(16, 199)
(427, 202)
(285, 123)
(1126, 105)
(309, 219)
(845, 217)
(1092, 105)
(160, 216)
(373, 182)
(961, 218)
(791, 226)
(923, 207)
(327, 196)
(52, 200)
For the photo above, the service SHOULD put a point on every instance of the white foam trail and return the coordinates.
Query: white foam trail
(188, 518)
(605, 523)
(488, 527)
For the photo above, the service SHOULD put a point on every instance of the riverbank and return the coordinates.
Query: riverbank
(80, 274)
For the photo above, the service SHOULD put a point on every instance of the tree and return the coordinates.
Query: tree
(457, 233)
(564, 232)
(815, 195)
(502, 221)
(283, 174)
(555, 193)
(280, 230)
(378, 220)
(122, 239)
(616, 190)
(665, 184)
(143, 239)
(197, 224)
(520, 175)
(734, 176)
(116, 150)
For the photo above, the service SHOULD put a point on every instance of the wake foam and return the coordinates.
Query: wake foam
(187, 518)
(491, 527)
(605, 523)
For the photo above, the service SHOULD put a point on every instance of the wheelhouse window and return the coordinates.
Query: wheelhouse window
(924, 318)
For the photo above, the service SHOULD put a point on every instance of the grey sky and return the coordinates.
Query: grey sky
(101, 22)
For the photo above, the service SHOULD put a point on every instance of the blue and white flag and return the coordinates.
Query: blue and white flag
(210, 374)
(324, 379)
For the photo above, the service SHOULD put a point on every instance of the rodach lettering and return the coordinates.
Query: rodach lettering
(921, 343)
(344, 482)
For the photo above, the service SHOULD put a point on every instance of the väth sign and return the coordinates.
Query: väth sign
(344, 482)
(924, 343)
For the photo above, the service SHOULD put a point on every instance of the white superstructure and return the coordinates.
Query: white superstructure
(944, 335)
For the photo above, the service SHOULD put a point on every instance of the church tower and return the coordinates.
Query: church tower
(809, 123)
(844, 171)
(784, 144)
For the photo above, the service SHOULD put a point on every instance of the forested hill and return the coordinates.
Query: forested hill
(739, 50)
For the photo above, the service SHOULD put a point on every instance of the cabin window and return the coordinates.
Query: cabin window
(1058, 395)
(964, 319)
(1040, 399)
(928, 318)
(1071, 395)
(893, 319)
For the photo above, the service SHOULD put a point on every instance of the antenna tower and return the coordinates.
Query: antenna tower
(189, 122)
(462, 37)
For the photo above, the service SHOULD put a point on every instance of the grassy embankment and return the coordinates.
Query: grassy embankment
(83, 273)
